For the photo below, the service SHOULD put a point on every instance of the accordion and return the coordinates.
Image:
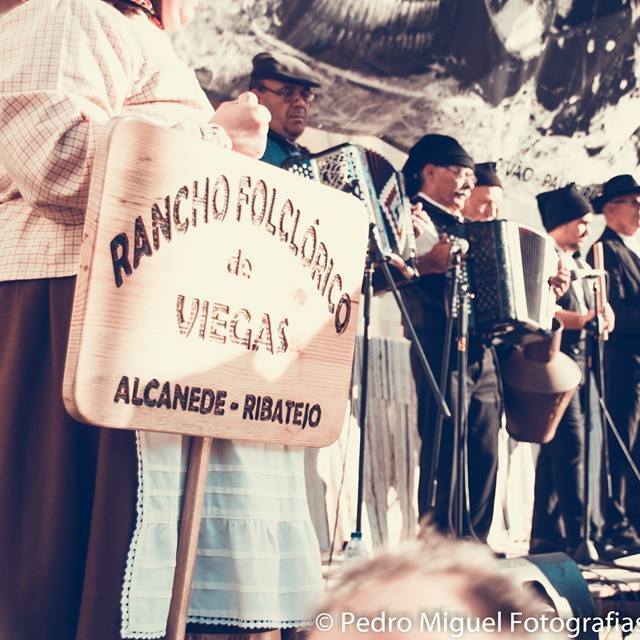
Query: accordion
(509, 266)
(372, 178)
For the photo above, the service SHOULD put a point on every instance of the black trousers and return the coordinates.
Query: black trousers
(484, 416)
(558, 503)
(622, 373)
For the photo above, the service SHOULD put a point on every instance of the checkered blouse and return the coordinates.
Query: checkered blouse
(67, 67)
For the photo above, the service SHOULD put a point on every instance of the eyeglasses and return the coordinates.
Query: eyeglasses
(462, 173)
(632, 201)
(289, 94)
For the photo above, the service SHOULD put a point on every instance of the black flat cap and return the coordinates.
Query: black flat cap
(268, 66)
(563, 205)
(486, 175)
(436, 149)
(622, 185)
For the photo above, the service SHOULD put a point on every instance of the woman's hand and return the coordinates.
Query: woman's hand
(246, 122)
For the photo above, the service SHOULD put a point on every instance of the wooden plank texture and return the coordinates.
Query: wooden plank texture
(217, 295)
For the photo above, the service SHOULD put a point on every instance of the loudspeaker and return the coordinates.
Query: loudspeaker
(558, 579)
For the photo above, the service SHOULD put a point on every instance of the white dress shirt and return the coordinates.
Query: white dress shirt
(632, 242)
(569, 262)
(430, 236)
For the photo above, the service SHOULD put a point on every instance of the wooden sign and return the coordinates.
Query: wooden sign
(217, 295)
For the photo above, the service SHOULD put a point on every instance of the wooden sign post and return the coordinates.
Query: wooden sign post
(217, 297)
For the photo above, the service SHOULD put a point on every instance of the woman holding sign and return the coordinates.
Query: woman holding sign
(68, 492)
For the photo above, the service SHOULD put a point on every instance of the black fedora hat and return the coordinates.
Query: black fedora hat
(270, 66)
(622, 185)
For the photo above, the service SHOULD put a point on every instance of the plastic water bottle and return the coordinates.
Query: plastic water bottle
(355, 547)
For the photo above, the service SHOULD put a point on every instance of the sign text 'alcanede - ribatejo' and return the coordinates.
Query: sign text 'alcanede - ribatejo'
(217, 295)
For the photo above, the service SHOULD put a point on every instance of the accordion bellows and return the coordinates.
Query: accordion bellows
(509, 266)
(369, 176)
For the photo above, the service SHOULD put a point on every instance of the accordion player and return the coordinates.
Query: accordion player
(508, 264)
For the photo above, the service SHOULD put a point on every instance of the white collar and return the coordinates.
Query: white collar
(631, 242)
(455, 214)
(633, 239)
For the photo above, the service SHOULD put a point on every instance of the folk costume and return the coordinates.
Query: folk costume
(558, 504)
(71, 495)
(622, 368)
(428, 305)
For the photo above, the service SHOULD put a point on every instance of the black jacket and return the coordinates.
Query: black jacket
(623, 267)
(427, 298)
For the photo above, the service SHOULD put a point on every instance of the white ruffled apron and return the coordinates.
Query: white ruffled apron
(258, 563)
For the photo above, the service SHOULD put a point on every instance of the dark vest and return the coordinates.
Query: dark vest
(280, 149)
(427, 298)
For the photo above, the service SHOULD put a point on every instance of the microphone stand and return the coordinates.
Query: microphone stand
(459, 508)
(458, 499)
(375, 258)
(586, 552)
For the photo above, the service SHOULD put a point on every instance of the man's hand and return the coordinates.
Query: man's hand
(609, 318)
(246, 122)
(396, 261)
(561, 282)
(437, 260)
(424, 230)
(420, 220)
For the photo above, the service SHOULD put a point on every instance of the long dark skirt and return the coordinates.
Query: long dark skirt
(67, 490)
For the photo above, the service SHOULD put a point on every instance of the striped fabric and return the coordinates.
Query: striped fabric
(258, 561)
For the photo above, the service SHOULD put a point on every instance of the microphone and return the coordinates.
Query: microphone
(459, 245)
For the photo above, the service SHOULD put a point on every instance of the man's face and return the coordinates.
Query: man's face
(623, 214)
(451, 186)
(483, 204)
(569, 236)
(288, 104)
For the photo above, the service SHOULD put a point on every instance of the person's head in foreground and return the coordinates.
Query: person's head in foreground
(433, 587)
